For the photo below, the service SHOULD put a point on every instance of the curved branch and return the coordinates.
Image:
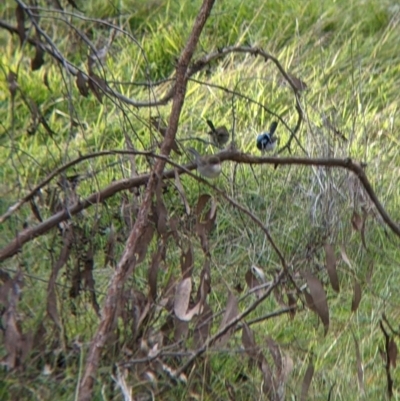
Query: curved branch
(121, 185)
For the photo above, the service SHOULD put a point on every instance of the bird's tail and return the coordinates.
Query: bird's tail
(194, 152)
(211, 125)
(272, 128)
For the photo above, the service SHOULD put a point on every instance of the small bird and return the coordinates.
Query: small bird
(267, 141)
(207, 166)
(220, 135)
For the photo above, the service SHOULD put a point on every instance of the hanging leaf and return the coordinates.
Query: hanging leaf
(205, 282)
(162, 212)
(181, 301)
(187, 262)
(203, 326)
(345, 258)
(393, 352)
(358, 223)
(269, 384)
(52, 310)
(319, 299)
(181, 191)
(153, 270)
(231, 312)
(276, 354)
(143, 243)
(110, 247)
(252, 282)
(38, 60)
(20, 14)
(360, 370)
(250, 346)
(231, 391)
(298, 84)
(292, 304)
(73, 4)
(98, 86)
(182, 298)
(356, 296)
(331, 267)
(82, 84)
(88, 279)
(46, 81)
(12, 83)
(307, 381)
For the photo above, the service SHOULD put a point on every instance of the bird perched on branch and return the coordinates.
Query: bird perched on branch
(207, 166)
(219, 135)
(267, 141)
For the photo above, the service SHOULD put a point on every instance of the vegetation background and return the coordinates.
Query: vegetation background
(347, 54)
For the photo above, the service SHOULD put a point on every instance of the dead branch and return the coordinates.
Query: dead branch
(127, 261)
(32, 232)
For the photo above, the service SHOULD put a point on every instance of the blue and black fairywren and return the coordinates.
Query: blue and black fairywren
(267, 141)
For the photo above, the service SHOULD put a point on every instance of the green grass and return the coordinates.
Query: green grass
(346, 52)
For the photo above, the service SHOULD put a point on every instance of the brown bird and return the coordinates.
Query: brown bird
(158, 124)
(220, 136)
(207, 166)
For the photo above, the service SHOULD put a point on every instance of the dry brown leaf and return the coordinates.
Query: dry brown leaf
(231, 312)
(360, 370)
(143, 243)
(35, 209)
(162, 212)
(319, 298)
(20, 14)
(202, 327)
(252, 282)
(287, 367)
(73, 4)
(181, 329)
(356, 221)
(292, 302)
(392, 352)
(181, 301)
(38, 60)
(370, 272)
(276, 354)
(187, 262)
(52, 310)
(356, 296)
(82, 84)
(309, 301)
(231, 391)
(12, 83)
(88, 279)
(182, 298)
(345, 258)
(205, 282)
(331, 267)
(153, 271)
(181, 191)
(269, 386)
(110, 247)
(307, 381)
(98, 86)
(250, 346)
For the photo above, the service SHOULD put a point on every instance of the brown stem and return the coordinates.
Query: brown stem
(127, 262)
